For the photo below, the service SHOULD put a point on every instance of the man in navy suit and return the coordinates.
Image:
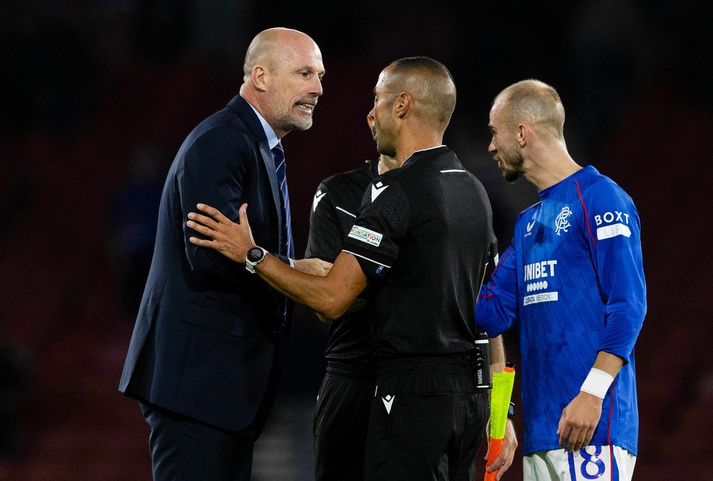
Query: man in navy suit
(205, 350)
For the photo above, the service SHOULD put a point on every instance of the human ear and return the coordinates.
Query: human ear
(402, 104)
(259, 78)
(523, 134)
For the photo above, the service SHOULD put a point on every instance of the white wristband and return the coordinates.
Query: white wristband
(597, 383)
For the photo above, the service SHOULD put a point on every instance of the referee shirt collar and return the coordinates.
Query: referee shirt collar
(407, 161)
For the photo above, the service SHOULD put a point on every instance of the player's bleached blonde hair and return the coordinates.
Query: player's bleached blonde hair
(534, 103)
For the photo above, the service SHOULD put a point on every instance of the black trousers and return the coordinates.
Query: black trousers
(183, 449)
(341, 420)
(426, 421)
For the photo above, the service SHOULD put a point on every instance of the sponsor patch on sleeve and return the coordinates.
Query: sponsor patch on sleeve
(613, 230)
(365, 235)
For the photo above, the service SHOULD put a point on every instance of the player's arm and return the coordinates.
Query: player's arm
(613, 232)
(581, 416)
(330, 295)
(496, 308)
(620, 270)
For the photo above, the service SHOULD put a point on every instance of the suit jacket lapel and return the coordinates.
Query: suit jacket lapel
(246, 113)
(270, 167)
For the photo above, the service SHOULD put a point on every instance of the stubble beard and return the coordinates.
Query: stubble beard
(290, 124)
(290, 120)
(512, 170)
(511, 175)
(388, 150)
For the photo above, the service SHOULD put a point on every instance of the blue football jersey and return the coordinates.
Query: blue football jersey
(573, 281)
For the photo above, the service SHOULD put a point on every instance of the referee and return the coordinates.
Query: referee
(422, 238)
(348, 385)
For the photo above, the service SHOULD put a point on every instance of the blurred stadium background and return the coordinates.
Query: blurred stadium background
(96, 96)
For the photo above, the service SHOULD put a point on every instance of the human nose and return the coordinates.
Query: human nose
(370, 119)
(317, 86)
(491, 147)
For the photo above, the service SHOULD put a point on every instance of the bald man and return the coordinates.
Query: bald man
(421, 239)
(573, 282)
(205, 353)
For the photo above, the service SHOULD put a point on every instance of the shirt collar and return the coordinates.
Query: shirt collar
(408, 161)
(586, 170)
(270, 134)
(429, 148)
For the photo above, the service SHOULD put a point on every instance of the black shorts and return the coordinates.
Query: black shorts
(340, 422)
(426, 421)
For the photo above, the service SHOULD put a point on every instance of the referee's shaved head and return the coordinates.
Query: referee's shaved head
(429, 83)
(534, 103)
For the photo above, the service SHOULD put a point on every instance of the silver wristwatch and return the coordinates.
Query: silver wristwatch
(255, 256)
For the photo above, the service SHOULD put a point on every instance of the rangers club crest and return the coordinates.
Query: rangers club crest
(562, 220)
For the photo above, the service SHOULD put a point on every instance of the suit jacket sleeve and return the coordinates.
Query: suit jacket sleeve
(215, 172)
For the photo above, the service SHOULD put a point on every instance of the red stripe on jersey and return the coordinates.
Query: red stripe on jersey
(586, 214)
(492, 276)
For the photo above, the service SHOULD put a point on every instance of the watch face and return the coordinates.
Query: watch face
(255, 254)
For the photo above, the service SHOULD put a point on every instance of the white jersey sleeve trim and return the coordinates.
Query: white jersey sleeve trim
(346, 212)
(609, 231)
(364, 257)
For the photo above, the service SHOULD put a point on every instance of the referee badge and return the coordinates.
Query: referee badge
(365, 235)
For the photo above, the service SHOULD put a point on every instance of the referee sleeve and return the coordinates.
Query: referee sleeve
(383, 218)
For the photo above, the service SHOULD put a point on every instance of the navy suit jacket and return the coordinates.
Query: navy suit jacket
(208, 334)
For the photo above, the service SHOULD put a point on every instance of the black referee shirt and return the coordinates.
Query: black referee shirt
(334, 209)
(424, 235)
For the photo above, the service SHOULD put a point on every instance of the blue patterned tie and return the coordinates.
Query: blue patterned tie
(287, 246)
